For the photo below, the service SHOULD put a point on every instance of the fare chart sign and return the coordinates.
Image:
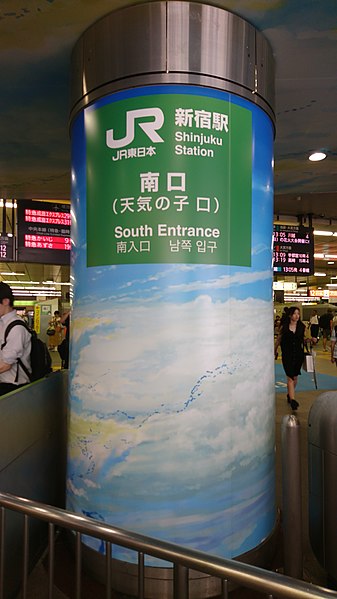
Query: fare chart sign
(43, 232)
(169, 179)
(293, 250)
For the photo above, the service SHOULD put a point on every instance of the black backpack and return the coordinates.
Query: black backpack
(39, 356)
(324, 321)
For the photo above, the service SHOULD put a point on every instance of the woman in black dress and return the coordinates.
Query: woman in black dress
(291, 339)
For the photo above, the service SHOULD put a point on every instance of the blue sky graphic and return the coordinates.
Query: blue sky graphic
(168, 394)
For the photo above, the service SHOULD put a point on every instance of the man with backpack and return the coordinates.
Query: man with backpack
(17, 345)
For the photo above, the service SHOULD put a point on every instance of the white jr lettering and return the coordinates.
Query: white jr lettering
(149, 127)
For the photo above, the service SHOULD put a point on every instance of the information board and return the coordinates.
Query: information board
(293, 250)
(6, 247)
(43, 232)
(155, 203)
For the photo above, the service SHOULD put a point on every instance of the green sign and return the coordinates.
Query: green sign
(169, 179)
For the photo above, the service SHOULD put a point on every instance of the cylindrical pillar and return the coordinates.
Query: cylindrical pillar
(172, 380)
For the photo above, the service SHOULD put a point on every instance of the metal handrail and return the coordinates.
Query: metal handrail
(182, 558)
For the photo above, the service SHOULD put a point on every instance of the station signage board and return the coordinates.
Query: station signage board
(156, 204)
(293, 250)
(6, 247)
(43, 232)
(323, 293)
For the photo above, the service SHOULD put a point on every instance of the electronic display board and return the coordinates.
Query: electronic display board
(293, 250)
(43, 232)
(6, 247)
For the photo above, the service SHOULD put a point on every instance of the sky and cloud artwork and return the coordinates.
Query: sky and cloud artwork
(171, 430)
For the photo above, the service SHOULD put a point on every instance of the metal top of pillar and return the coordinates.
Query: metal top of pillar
(172, 43)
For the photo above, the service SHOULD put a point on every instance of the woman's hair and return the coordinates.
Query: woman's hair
(292, 310)
(285, 314)
(300, 326)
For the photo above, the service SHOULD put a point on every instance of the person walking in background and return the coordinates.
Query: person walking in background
(17, 345)
(334, 344)
(325, 323)
(314, 327)
(55, 331)
(334, 321)
(277, 323)
(284, 315)
(63, 348)
(291, 340)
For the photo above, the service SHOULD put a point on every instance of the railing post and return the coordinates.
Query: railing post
(292, 497)
(25, 568)
(140, 575)
(180, 582)
(51, 559)
(224, 588)
(78, 556)
(108, 570)
(2, 551)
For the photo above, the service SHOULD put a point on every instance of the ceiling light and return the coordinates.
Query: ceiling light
(12, 274)
(23, 293)
(22, 282)
(8, 203)
(317, 156)
(331, 262)
(324, 233)
(34, 288)
(319, 274)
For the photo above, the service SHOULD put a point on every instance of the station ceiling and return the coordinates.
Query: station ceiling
(36, 40)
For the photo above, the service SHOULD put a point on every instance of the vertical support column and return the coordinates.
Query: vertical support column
(172, 365)
(292, 497)
(180, 582)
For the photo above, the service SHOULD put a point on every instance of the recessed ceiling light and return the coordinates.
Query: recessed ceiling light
(317, 156)
(331, 263)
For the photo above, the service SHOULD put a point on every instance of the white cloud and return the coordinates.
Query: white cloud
(223, 282)
(217, 358)
(179, 399)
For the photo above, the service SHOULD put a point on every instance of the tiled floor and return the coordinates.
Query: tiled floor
(312, 572)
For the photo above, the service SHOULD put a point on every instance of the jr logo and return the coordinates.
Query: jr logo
(149, 127)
